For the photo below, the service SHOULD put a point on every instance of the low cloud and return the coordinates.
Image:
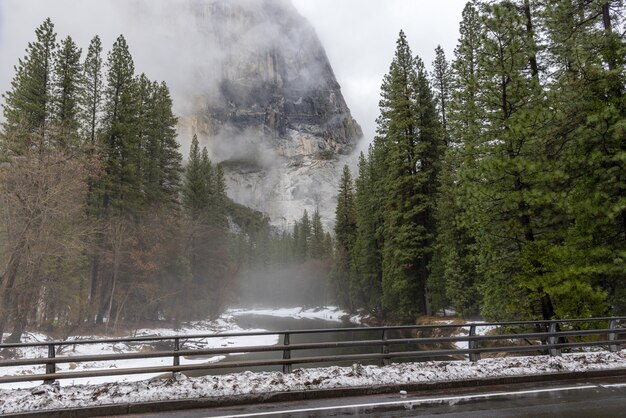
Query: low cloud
(359, 37)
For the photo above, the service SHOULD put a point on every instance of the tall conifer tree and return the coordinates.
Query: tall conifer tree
(410, 128)
(67, 84)
(92, 94)
(121, 148)
(346, 290)
(28, 105)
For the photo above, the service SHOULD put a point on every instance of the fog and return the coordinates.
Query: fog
(358, 35)
(291, 285)
(171, 40)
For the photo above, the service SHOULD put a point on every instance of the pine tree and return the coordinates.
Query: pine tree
(410, 127)
(221, 197)
(345, 213)
(163, 163)
(195, 188)
(587, 95)
(92, 93)
(442, 87)
(67, 85)
(317, 237)
(302, 237)
(347, 290)
(121, 149)
(453, 276)
(508, 209)
(367, 259)
(297, 240)
(28, 105)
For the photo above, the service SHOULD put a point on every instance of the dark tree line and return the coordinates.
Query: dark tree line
(100, 222)
(495, 184)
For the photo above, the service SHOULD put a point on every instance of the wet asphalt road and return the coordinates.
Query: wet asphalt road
(600, 398)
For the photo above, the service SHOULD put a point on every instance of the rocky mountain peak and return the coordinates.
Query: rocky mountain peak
(267, 105)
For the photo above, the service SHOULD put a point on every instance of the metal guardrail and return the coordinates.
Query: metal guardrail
(556, 336)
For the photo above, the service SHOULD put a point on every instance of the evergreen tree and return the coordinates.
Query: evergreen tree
(204, 200)
(92, 93)
(28, 105)
(507, 208)
(195, 190)
(67, 90)
(346, 290)
(345, 213)
(587, 97)
(411, 129)
(317, 237)
(367, 258)
(453, 275)
(163, 166)
(221, 197)
(121, 148)
(442, 87)
(296, 251)
(303, 243)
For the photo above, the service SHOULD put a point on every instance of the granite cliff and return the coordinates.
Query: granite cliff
(267, 106)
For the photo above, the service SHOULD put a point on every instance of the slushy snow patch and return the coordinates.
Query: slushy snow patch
(49, 397)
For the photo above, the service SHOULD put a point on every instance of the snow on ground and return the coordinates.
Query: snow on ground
(480, 330)
(226, 324)
(221, 326)
(328, 313)
(48, 397)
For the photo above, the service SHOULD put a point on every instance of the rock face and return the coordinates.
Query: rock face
(268, 107)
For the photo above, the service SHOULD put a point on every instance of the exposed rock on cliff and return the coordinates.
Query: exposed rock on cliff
(267, 105)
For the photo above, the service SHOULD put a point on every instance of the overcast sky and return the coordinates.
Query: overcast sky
(359, 36)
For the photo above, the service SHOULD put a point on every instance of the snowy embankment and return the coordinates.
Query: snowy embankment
(226, 324)
(180, 387)
(21, 397)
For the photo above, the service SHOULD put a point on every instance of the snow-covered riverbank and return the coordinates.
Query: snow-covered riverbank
(54, 397)
(226, 324)
(22, 397)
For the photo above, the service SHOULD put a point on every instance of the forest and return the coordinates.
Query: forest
(496, 183)
(495, 187)
(102, 225)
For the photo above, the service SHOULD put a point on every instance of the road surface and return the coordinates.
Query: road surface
(604, 398)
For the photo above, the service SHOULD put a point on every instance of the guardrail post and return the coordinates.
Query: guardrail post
(473, 345)
(553, 339)
(613, 336)
(176, 348)
(50, 367)
(286, 355)
(384, 349)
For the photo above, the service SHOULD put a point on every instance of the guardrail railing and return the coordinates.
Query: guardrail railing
(368, 344)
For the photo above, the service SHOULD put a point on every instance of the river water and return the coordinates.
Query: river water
(273, 323)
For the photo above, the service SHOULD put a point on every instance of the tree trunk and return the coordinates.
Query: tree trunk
(530, 30)
(18, 330)
(113, 283)
(8, 282)
(93, 286)
(547, 309)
